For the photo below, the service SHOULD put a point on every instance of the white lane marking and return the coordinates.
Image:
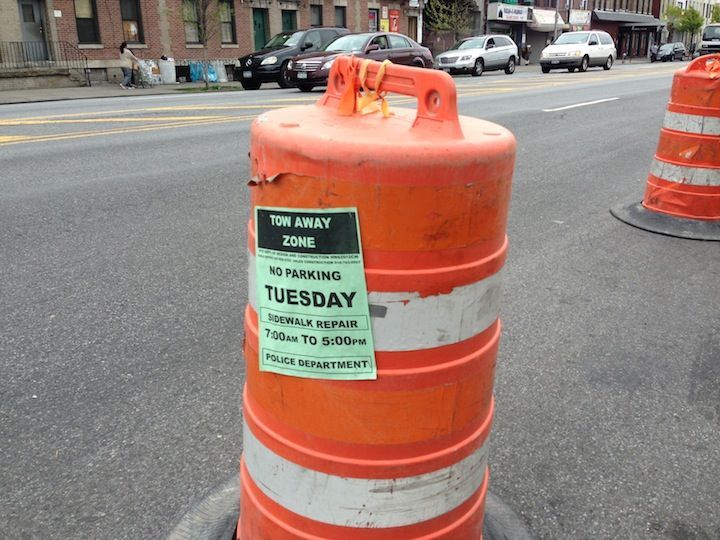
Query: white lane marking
(366, 503)
(585, 104)
(406, 321)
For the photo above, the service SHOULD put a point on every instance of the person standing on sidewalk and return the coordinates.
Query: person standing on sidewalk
(127, 62)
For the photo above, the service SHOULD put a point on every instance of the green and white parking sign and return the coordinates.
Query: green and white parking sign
(313, 313)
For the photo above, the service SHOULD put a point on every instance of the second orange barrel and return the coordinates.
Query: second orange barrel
(403, 456)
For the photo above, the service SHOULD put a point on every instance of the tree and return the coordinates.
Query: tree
(453, 15)
(202, 18)
(715, 14)
(690, 22)
(672, 16)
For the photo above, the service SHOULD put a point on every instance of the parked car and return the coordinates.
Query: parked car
(579, 50)
(671, 51)
(477, 54)
(710, 40)
(270, 63)
(311, 69)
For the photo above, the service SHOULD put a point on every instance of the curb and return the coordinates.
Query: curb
(215, 517)
(637, 215)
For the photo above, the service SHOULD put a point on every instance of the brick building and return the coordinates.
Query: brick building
(153, 28)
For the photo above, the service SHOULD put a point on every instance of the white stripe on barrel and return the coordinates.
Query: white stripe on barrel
(406, 321)
(360, 502)
(696, 176)
(692, 123)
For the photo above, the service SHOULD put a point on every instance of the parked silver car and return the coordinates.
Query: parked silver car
(480, 53)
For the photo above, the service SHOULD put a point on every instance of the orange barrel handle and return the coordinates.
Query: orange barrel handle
(434, 90)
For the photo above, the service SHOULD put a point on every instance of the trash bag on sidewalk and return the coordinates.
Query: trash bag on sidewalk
(197, 72)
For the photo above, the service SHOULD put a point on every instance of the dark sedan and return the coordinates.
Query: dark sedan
(269, 64)
(671, 51)
(312, 69)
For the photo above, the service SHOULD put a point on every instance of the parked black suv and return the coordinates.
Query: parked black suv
(269, 64)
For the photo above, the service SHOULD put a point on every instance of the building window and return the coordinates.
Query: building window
(373, 18)
(316, 18)
(86, 21)
(289, 20)
(131, 21)
(190, 20)
(227, 21)
(340, 16)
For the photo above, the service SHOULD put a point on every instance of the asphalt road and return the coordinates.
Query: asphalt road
(122, 286)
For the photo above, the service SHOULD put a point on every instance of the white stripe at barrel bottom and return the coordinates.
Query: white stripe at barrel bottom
(680, 174)
(407, 321)
(692, 123)
(359, 502)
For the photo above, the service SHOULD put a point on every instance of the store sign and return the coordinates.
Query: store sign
(413, 3)
(579, 17)
(507, 12)
(312, 302)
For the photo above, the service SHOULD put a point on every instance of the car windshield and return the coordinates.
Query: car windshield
(711, 32)
(666, 48)
(474, 43)
(347, 43)
(571, 38)
(285, 39)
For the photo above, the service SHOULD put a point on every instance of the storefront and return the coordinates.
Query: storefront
(541, 29)
(509, 19)
(633, 33)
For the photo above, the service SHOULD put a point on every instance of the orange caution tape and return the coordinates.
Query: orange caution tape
(713, 68)
(363, 100)
(346, 106)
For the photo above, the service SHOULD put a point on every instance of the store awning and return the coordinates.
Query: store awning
(627, 19)
(544, 20)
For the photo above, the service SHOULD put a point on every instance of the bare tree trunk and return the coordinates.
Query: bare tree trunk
(205, 68)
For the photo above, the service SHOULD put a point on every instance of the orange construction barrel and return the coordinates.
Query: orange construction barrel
(376, 247)
(682, 195)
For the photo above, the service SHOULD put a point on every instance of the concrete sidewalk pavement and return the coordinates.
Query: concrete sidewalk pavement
(100, 90)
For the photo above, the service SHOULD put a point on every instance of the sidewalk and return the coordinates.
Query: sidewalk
(98, 90)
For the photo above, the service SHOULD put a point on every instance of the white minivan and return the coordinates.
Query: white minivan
(579, 50)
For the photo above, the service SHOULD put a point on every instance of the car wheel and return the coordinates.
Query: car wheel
(545, 69)
(608, 63)
(247, 85)
(305, 87)
(584, 64)
(571, 69)
(418, 64)
(284, 80)
(510, 68)
(478, 68)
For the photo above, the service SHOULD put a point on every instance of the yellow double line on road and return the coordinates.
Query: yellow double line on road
(178, 121)
(19, 139)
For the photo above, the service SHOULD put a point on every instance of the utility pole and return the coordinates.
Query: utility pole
(555, 26)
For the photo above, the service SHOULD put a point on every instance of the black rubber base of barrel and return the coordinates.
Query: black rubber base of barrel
(216, 516)
(637, 215)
